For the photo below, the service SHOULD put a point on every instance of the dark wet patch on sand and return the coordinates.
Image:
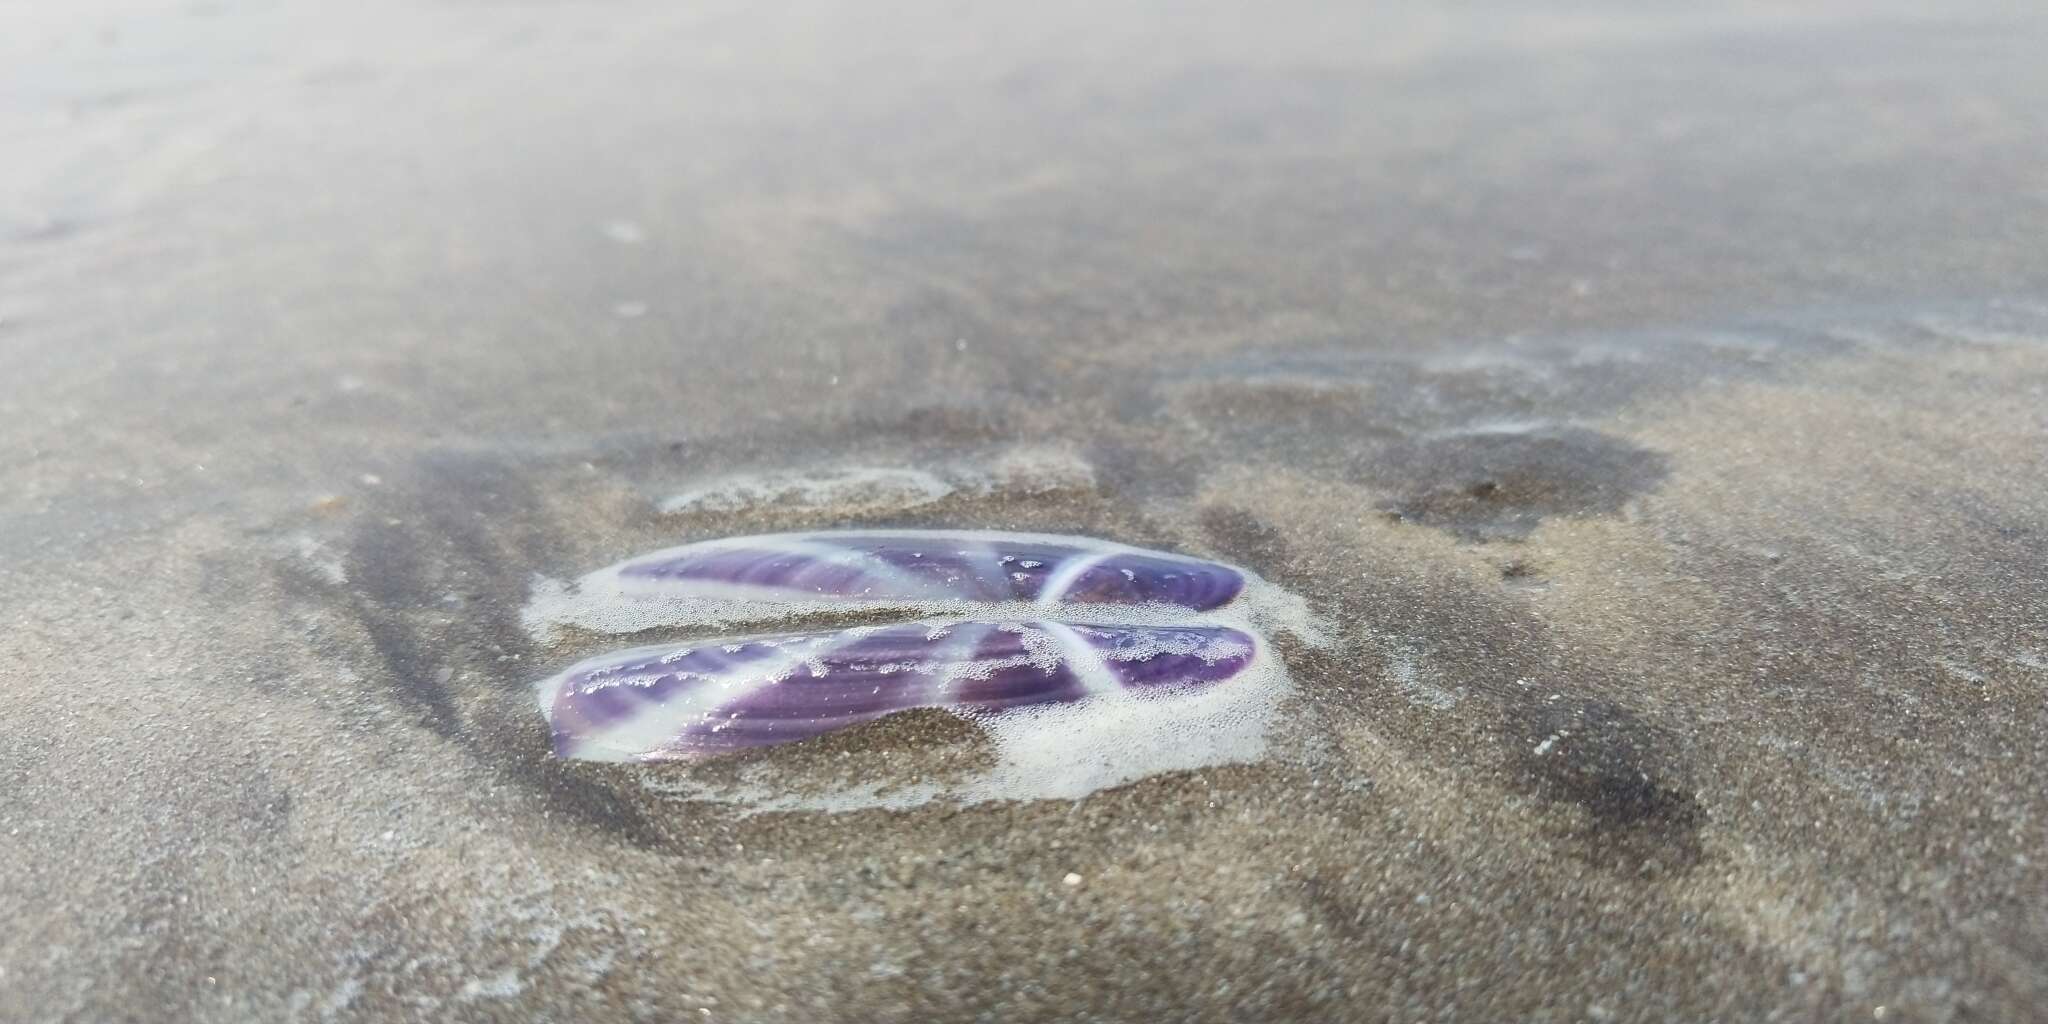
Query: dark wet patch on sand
(1629, 777)
(1241, 536)
(1501, 484)
(434, 569)
(1485, 440)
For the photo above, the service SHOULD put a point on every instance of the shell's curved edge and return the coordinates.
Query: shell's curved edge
(704, 698)
(740, 581)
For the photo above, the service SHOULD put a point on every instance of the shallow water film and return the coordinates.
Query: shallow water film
(1618, 433)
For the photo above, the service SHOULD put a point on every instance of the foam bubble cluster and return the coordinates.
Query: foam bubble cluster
(860, 487)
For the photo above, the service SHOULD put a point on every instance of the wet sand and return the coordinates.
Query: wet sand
(1656, 400)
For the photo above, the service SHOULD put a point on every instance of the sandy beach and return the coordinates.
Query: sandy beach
(1652, 400)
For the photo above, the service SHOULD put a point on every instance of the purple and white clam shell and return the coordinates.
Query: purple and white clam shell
(925, 567)
(692, 700)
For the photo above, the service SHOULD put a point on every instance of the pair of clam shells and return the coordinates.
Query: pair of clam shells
(1010, 621)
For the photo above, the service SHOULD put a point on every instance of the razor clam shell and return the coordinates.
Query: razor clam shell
(897, 566)
(707, 698)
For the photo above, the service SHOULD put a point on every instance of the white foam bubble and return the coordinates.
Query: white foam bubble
(321, 559)
(625, 232)
(858, 487)
(1030, 470)
(1510, 427)
(1067, 751)
(503, 985)
(1406, 668)
(844, 486)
